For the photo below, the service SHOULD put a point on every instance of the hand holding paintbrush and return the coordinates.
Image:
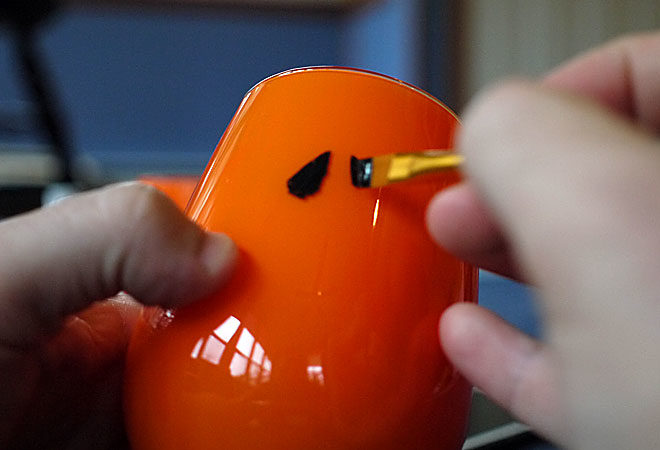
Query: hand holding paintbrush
(382, 170)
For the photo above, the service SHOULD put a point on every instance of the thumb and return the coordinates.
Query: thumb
(58, 260)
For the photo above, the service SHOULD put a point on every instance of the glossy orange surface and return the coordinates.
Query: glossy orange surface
(326, 337)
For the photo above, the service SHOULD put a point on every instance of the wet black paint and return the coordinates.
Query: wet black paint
(361, 172)
(307, 181)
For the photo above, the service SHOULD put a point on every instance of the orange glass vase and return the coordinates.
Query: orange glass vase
(326, 336)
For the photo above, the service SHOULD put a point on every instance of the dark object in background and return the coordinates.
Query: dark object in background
(493, 428)
(26, 13)
(23, 18)
(19, 199)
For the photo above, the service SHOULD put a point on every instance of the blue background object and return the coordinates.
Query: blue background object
(512, 301)
(153, 89)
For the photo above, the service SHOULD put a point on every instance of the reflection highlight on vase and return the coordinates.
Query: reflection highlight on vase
(248, 358)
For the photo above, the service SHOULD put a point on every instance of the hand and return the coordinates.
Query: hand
(61, 350)
(563, 191)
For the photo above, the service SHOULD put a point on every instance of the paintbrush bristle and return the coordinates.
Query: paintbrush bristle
(361, 172)
(370, 172)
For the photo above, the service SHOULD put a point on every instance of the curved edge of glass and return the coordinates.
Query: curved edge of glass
(365, 72)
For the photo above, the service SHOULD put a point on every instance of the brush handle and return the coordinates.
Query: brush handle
(406, 165)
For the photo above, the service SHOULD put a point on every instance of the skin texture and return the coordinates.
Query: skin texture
(562, 191)
(61, 347)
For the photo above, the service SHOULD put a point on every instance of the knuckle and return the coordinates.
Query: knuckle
(637, 41)
(507, 98)
(496, 111)
(137, 206)
(155, 246)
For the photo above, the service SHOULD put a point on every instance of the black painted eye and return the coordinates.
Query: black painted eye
(307, 181)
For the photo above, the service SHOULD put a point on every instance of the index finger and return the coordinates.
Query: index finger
(623, 75)
(59, 260)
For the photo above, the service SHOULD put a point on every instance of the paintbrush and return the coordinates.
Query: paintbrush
(382, 170)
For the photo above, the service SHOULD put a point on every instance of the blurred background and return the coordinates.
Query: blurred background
(140, 86)
(93, 92)
(149, 86)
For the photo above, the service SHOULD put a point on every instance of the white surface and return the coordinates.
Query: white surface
(494, 435)
(28, 166)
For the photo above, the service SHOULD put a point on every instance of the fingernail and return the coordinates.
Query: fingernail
(219, 254)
